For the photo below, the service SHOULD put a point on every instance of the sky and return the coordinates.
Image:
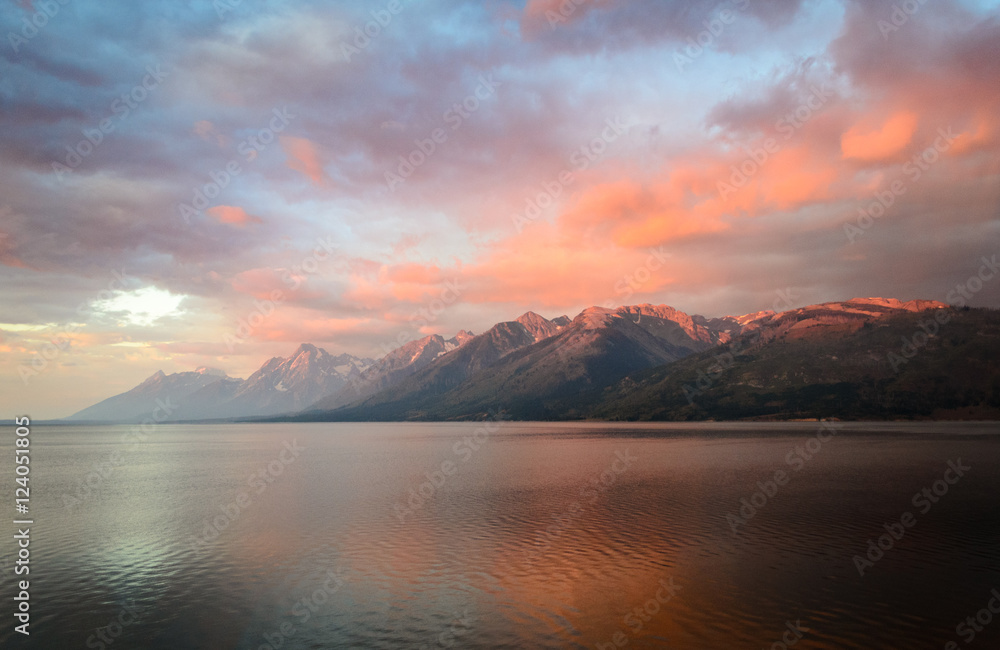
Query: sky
(188, 184)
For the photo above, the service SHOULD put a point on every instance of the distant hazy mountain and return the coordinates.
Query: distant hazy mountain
(139, 403)
(285, 385)
(281, 385)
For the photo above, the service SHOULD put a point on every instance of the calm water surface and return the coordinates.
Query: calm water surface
(521, 536)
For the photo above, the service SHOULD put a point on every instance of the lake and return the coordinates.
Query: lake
(511, 535)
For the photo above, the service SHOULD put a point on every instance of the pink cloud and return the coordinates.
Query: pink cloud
(882, 142)
(550, 14)
(294, 325)
(232, 214)
(304, 158)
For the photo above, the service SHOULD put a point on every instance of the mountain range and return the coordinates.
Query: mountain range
(635, 362)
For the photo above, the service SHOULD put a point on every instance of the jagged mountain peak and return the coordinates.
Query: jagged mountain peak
(531, 317)
(155, 377)
(308, 349)
(592, 317)
(538, 326)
